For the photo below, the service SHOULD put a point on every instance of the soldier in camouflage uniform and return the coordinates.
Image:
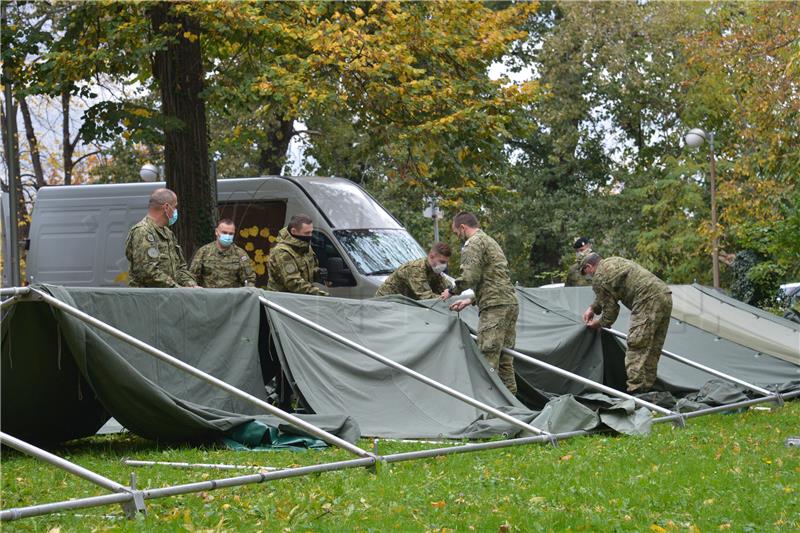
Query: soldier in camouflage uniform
(221, 264)
(152, 250)
(650, 300)
(420, 279)
(485, 270)
(293, 265)
(582, 246)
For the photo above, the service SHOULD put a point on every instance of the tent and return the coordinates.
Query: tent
(713, 311)
(386, 367)
(710, 349)
(82, 376)
(62, 380)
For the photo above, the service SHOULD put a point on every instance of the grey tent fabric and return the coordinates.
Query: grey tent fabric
(213, 330)
(553, 335)
(713, 311)
(62, 379)
(738, 304)
(43, 395)
(690, 342)
(335, 378)
(105, 383)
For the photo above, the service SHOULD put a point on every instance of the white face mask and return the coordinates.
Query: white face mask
(441, 267)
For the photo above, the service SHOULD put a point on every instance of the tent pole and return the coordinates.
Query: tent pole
(7, 515)
(405, 370)
(14, 291)
(727, 407)
(132, 504)
(72, 468)
(134, 462)
(595, 385)
(8, 301)
(258, 478)
(177, 363)
(704, 368)
(23, 512)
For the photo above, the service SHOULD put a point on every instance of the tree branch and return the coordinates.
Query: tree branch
(84, 156)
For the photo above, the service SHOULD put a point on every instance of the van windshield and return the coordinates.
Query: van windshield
(346, 205)
(378, 252)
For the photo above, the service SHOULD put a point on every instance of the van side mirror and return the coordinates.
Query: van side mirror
(338, 274)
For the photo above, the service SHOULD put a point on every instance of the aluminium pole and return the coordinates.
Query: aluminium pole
(177, 363)
(258, 478)
(9, 301)
(586, 381)
(72, 468)
(776, 396)
(14, 514)
(404, 369)
(14, 291)
(174, 464)
(7, 515)
(726, 407)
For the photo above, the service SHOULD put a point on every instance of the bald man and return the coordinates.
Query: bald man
(151, 248)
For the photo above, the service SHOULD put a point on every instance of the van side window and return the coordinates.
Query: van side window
(338, 274)
(257, 226)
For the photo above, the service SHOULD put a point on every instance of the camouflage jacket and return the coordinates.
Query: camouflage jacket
(574, 276)
(485, 270)
(415, 279)
(617, 279)
(156, 259)
(293, 266)
(218, 269)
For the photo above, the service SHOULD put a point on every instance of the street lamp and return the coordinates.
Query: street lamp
(694, 138)
(149, 172)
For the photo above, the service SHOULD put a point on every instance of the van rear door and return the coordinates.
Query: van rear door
(257, 225)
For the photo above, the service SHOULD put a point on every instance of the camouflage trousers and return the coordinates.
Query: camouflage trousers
(646, 336)
(497, 328)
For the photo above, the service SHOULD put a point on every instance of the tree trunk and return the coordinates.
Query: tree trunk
(67, 142)
(33, 143)
(273, 155)
(23, 221)
(178, 68)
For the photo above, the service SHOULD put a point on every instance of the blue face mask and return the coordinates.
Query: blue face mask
(174, 218)
(226, 240)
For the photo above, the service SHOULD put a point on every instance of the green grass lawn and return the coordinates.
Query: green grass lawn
(723, 472)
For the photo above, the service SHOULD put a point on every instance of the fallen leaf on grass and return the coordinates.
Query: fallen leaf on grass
(655, 528)
(438, 505)
(566, 458)
(505, 527)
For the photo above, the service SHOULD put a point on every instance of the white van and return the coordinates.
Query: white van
(77, 235)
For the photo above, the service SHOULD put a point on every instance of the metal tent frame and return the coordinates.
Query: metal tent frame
(132, 499)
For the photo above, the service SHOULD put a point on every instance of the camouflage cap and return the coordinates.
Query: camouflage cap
(586, 258)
